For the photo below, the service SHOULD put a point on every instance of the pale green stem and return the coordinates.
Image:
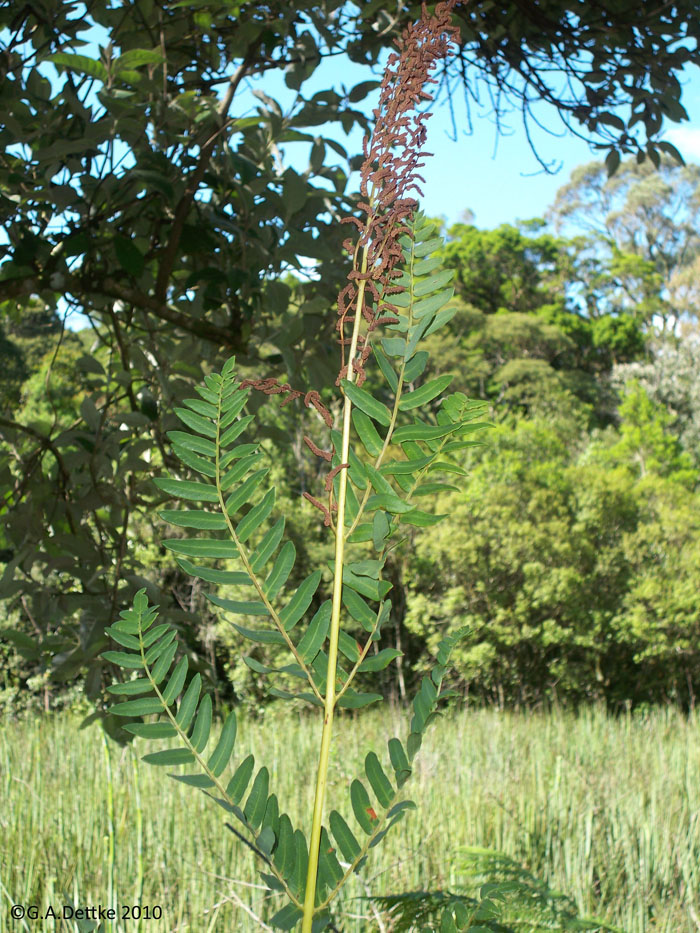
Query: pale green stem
(330, 698)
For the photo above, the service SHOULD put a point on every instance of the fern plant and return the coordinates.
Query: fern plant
(386, 462)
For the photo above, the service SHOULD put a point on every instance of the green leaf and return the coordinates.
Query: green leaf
(612, 162)
(367, 433)
(194, 462)
(389, 503)
(128, 255)
(426, 307)
(352, 700)
(245, 491)
(300, 602)
(129, 661)
(235, 577)
(240, 451)
(136, 58)
(256, 516)
(366, 586)
(128, 641)
(131, 687)
(329, 870)
(379, 482)
(380, 529)
(151, 730)
(154, 634)
(185, 489)
(267, 546)
(284, 853)
(256, 803)
(176, 682)
(81, 64)
(144, 707)
(189, 703)
(343, 835)
(194, 780)
(429, 246)
(170, 756)
(156, 650)
(362, 808)
(379, 782)
(399, 762)
(265, 842)
(348, 646)
(432, 489)
(441, 319)
(400, 807)
(405, 467)
(315, 635)
(301, 860)
(280, 570)
(387, 369)
(425, 393)
(201, 547)
(434, 282)
(203, 521)
(162, 665)
(240, 780)
(421, 432)
(203, 408)
(367, 403)
(393, 346)
(421, 519)
(235, 431)
(426, 266)
(202, 726)
(239, 470)
(197, 422)
(261, 636)
(244, 608)
(271, 819)
(286, 918)
(197, 445)
(359, 609)
(415, 367)
(671, 150)
(362, 533)
(221, 754)
(444, 466)
(380, 661)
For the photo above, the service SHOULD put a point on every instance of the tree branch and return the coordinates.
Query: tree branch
(111, 288)
(167, 259)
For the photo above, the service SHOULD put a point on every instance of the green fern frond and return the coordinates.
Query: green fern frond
(185, 713)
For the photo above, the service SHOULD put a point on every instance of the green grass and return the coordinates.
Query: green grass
(606, 809)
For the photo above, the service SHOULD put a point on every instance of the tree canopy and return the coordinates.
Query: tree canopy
(128, 179)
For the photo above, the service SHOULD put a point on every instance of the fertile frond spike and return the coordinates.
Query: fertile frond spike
(370, 498)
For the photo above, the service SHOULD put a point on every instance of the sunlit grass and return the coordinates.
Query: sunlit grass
(606, 809)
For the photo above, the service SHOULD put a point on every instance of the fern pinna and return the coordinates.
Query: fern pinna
(388, 459)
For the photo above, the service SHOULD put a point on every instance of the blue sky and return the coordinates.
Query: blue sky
(496, 177)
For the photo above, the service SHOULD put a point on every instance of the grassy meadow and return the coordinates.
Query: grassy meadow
(606, 809)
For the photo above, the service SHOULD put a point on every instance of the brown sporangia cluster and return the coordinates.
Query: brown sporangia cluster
(392, 158)
(389, 172)
(312, 399)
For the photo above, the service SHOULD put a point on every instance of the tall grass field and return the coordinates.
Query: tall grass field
(605, 809)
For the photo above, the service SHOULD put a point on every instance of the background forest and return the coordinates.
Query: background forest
(572, 548)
